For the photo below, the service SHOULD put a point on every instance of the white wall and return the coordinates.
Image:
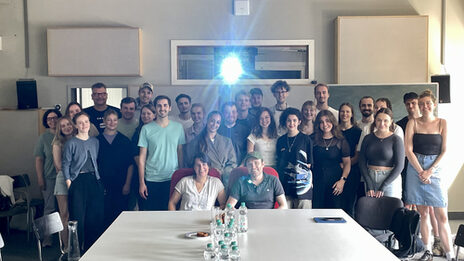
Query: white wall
(163, 20)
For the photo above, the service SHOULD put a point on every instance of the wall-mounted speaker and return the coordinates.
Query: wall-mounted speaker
(27, 94)
(443, 87)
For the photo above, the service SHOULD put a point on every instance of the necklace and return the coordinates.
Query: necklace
(290, 146)
(325, 143)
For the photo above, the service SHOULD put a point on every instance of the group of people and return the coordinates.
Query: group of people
(103, 160)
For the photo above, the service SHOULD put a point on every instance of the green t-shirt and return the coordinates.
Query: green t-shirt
(127, 129)
(161, 144)
(43, 149)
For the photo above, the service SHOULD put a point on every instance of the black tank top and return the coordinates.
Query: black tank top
(427, 144)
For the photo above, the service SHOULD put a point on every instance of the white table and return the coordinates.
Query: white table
(287, 235)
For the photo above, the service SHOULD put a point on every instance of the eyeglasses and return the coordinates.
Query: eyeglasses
(100, 94)
(52, 118)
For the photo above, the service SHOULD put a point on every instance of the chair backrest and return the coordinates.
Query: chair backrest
(180, 173)
(238, 172)
(21, 181)
(2, 244)
(376, 213)
(47, 225)
(459, 240)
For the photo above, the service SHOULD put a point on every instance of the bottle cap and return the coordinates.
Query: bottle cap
(234, 248)
(229, 205)
(227, 234)
(242, 204)
(209, 245)
(221, 242)
(234, 243)
(218, 222)
(224, 247)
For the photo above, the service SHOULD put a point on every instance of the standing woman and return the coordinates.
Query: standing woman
(425, 143)
(85, 191)
(46, 174)
(218, 148)
(147, 115)
(263, 137)
(332, 163)
(351, 132)
(116, 162)
(381, 158)
(74, 108)
(65, 130)
(294, 149)
(308, 113)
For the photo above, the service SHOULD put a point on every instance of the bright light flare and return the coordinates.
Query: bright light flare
(231, 69)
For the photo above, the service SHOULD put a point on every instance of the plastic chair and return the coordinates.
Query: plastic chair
(46, 226)
(377, 213)
(459, 240)
(238, 172)
(21, 186)
(180, 173)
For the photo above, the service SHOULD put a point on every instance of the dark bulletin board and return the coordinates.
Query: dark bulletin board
(352, 93)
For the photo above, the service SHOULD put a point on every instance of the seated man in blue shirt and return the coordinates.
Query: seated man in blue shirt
(257, 190)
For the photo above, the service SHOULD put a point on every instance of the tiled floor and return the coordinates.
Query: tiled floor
(18, 248)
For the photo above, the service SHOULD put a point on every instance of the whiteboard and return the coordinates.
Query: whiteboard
(382, 49)
(94, 51)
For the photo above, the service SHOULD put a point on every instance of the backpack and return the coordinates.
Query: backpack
(405, 227)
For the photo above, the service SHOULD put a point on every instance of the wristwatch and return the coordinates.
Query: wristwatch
(344, 178)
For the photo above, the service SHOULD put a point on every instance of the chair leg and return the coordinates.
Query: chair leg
(39, 247)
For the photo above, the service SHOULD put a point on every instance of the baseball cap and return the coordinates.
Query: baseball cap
(146, 85)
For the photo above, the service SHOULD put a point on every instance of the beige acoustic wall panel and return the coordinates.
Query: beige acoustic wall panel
(381, 49)
(94, 51)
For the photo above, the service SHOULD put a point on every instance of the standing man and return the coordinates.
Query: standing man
(321, 93)
(96, 112)
(237, 131)
(242, 101)
(280, 91)
(128, 123)
(366, 106)
(160, 155)
(145, 97)
(198, 114)
(184, 105)
(256, 100)
(411, 102)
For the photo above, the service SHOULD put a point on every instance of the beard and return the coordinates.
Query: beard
(367, 113)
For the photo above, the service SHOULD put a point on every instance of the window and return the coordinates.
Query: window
(263, 61)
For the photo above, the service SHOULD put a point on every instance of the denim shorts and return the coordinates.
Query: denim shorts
(418, 193)
(391, 190)
(60, 185)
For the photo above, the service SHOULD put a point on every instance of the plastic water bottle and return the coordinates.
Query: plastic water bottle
(219, 231)
(229, 214)
(232, 232)
(210, 252)
(227, 238)
(234, 254)
(74, 253)
(242, 218)
(224, 253)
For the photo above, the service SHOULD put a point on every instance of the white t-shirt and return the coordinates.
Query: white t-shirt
(267, 149)
(185, 123)
(332, 110)
(194, 200)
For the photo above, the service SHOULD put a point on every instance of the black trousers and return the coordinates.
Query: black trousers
(158, 196)
(86, 206)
